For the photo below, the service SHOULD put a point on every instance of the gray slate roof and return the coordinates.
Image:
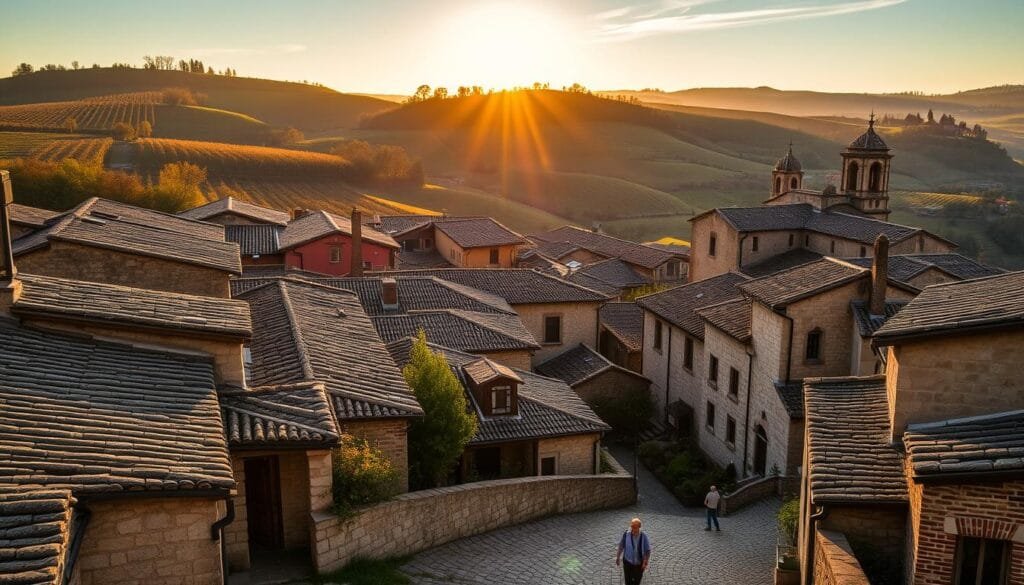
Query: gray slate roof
(547, 407)
(420, 293)
(518, 286)
(318, 224)
(994, 301)
(478, 232)
(64, 299)
(34, 535)
(867, 323)
(105, 417)
(794, 284)
(848, 447)
(463, 330)
(309, 333)
(992, 443)
(785, 261)
(792, 397)
(117, 226)
(30, 216)
(732, 317)
(255, 239)
(625, 320)
(554, 250)
(608, 246)
(679, 305)
(869, 140)
(579, 364)
(398, 224)
(612, 272)
(238, 207)
(281, 415)
(904, 267)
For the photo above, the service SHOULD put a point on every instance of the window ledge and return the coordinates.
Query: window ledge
(730, 446)
(734, 397)
(710, 430)
(713, 384)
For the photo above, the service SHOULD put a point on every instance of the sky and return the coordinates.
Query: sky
(392, 46)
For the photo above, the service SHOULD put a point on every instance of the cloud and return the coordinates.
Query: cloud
(269, 50)
(676, 17)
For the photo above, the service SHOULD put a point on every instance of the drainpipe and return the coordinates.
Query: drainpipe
(746, 418)
(739, 253)
(80, 518)
(789, 348)
(217, 534)
(668, 369)
(812, 522)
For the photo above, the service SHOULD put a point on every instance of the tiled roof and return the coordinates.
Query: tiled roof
(732, 317)
(612, 272)
(254, 239)
(803, 216)
(104, 417)
(849, 452)
(420, 293)
(595, 284)
(547, 407)
(478, 232)
(788, 163)
(611, 247)
(794, 284)
(785, 261)
(318, 224)
(483, 370)
(237, 207)
(992, 443)
(867, 323)
(35, 529)
(117, 226)
(306, 333)
(625, 320)
(64, 299)
(992, 301)
(30, 216)
(679, 305)
(904, 267)
(281, 415)
(518, 286)
(578, 365)
(417, 259)
(398, 224)
(553, 250)
(869, 140)
(463, 330)
(792, 397)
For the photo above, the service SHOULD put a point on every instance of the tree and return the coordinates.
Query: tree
(178, 187)
(931, 116)
(144, 129)
(463, 91)
(438, 438)
(178, 96)
(122, 131)
(285, 136)
(74, 65)
(441, 93)
(70, 124)
(422, 93)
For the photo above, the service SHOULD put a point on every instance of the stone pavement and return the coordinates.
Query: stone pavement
(580, 548)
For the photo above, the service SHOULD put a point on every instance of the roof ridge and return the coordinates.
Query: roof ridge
(300, 344)
(966, 419)
(978, 279)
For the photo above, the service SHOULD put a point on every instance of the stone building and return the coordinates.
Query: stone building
(593, 377)
(527, 424)
(614, 277)
(919, 468)
(232, 211)
(621, 334)
(569, 244)
(324, 242)
(25, 219)
(438, 241)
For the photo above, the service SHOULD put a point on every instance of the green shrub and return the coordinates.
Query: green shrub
(789, 518)
(362, 475)
(680, 468)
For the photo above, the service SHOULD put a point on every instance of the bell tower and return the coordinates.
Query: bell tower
(787, 174)
(865, 178)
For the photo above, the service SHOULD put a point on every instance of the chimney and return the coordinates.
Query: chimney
(356, 269)
(298, 212)
(10, 287)
(389, 294)
(595, 227)
(879, 276)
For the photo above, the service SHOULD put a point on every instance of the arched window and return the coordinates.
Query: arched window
(778, 185)
(852, 173)
(875, 178)
(792, 183)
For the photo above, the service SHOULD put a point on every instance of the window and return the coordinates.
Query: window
(792, 183)
(875, 178)
(549, 465)
(709, 418)
(734, 382)
(790, 240)
(672, 269)
(713, 371)
(553, 329)
(832, 247)
(409, 245)
(813, 350)
(730, 430)
(981, 561)
(712, 245)
(501, 400)
(753, 245)
(807, 241)
(851, 176)
(863, 251)
(688, 354)
(494, 256)
(335, 254)
(778, 185)
(657, 335)
(367, 264)
(428, 243)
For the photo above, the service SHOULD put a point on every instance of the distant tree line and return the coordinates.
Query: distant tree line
(425, 92)
(157, 62)
(946, 124)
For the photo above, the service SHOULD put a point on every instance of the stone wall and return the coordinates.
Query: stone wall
(876, 533)
(159, 541)
(611, 384)
(702, 264)
(755, 491)
(473, 257)
(520, 359)
(419, 520)
(391, 436)
(575, 454)
(834, 562)
(68, 260)
(579, 325)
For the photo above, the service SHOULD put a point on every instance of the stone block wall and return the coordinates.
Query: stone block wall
(390, 436)
(834, 562)
(520, 359)
(875, 532)
(702, 264)
(576, 454)
(419, 520)
(579, 325)
(611, 384)
(159, 541)
(68, 260)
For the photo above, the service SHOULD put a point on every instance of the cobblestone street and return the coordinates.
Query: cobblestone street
(580, 548)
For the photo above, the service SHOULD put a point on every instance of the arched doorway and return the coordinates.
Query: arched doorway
(760, 450)
(792, 183)
(851, 176)
(875, 178)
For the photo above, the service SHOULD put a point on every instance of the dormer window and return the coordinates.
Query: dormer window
(495, 387)
(501, 400)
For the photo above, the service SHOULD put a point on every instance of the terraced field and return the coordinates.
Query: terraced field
(934, 200)
(87, 150)
(93, 114)
(234, 161)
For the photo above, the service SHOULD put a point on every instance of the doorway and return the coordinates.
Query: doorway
(760, 450)
(488, 462)
(263, 504)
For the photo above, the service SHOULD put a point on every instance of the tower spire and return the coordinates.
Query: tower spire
(871, 120)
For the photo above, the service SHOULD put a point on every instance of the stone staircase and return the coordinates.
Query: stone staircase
(654, 431)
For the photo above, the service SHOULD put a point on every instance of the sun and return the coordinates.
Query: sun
(504, 45)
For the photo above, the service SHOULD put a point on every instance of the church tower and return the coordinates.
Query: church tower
(865, 179)
(787, 175)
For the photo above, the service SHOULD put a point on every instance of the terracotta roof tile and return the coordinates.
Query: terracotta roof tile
(318, 224)
(478, 232)
(35, 526)
(280, 415)
(992, 443)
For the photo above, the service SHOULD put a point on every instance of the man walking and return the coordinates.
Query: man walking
(634, 553)
(711, 505)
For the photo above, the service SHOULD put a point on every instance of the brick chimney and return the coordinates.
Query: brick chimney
(879, 276)
(389, 294)
(298, 212)
(10, 287)
(356, 269)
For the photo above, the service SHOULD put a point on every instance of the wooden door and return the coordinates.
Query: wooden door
(263, 503)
